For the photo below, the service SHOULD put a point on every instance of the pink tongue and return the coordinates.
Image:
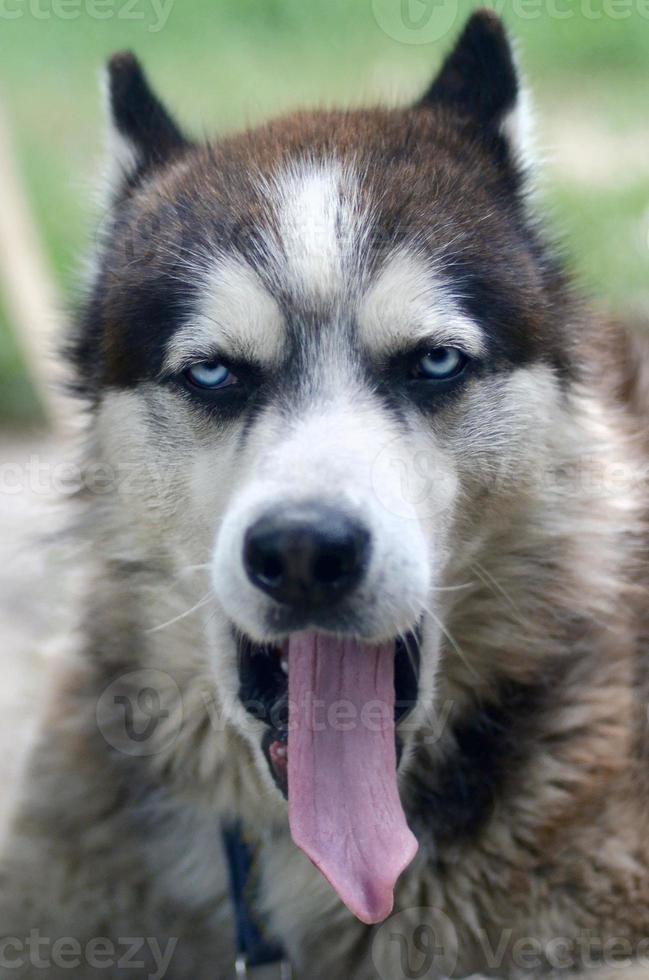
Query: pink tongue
(344, 806)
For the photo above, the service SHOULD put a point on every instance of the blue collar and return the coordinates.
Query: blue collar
(254, 948)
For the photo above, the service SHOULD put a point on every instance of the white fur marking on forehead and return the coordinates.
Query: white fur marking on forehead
(318, 227)
(236, 316)
(407, 303)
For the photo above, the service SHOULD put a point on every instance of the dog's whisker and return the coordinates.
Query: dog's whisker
(451, 639)
(486, 577)
(497, 589)
(190, 569)
(452, 588)
(170, 622)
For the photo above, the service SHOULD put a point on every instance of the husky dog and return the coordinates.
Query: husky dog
(364, 516)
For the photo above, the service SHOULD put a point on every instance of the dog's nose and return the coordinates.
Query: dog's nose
(307, 555)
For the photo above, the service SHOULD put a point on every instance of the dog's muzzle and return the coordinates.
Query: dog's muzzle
(331, 701)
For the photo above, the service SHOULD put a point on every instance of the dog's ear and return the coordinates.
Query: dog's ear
(142, 135)
(480, 82)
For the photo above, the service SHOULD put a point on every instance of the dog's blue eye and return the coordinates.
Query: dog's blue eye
(441, 364)
(210, 374)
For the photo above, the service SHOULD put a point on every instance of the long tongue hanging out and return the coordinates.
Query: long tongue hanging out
(344, 806)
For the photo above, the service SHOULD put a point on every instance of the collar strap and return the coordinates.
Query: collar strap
(259, 957)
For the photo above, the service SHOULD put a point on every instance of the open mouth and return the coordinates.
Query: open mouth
(264, 692)
(332, 708)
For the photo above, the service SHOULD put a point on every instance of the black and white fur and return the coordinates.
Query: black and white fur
(315, 254)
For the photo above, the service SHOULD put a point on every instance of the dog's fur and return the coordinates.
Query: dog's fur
(321, 247)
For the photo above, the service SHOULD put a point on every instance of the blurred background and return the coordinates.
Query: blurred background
(221, 64)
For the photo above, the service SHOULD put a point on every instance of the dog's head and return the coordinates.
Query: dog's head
(334, 344)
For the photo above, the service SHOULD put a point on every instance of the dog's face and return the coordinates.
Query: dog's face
(334, 346)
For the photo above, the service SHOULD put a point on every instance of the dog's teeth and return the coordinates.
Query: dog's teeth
(284, 664)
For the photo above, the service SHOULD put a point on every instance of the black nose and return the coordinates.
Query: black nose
(307, 555)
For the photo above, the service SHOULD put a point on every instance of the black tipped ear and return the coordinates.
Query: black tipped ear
(143, 134)
(479, 78)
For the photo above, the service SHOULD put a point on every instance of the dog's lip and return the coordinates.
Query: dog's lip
(263, 691)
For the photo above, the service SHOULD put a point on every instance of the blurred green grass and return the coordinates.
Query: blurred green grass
(225, 63)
